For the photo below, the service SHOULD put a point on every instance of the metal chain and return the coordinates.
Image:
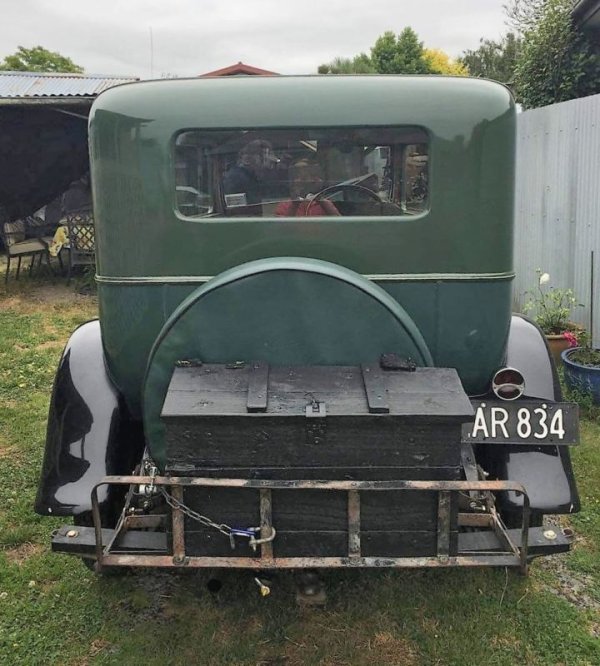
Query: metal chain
(231, 532)
(194, 515)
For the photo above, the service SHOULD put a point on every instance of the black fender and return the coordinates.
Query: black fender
(89, 434)
(545, 471)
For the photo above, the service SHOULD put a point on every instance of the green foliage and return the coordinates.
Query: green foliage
(391, 54)
(87, 282)
(552, 307)
(383, 53)
(360, 64)
(584, 398)
(585, 354)
(38, 59)
(402, 54)
(557, 62)
(494, 60)
(524, 14)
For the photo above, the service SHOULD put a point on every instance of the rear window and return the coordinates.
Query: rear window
(376, 171)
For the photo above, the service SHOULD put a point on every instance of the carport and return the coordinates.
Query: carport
(43, 135)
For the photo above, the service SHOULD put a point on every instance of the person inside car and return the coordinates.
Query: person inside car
(243, 184)
(306, 181)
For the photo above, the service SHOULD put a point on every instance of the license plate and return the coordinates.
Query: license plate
(523, 423)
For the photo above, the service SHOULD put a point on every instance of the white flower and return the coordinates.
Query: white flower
(544, 278)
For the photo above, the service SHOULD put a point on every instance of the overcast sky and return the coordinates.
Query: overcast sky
(190, 37)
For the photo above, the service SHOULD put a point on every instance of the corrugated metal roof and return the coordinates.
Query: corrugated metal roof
(35, 84)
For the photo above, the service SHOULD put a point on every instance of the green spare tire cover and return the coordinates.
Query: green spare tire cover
(285, 311)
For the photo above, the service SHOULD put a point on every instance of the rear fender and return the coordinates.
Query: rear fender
(89, 435)
(546, 472)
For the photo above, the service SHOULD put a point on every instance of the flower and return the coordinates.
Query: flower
(571, 338)
(552, 307)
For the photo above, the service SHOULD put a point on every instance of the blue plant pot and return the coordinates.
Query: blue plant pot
(581, 378)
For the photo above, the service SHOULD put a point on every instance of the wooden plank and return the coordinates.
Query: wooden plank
(236, 507)
(258, 386)
(351, 441)
(321, 544)
(310, 510)
(375, 389)
(305, 510)
(217, 389)
(340, 473)
(403, 544)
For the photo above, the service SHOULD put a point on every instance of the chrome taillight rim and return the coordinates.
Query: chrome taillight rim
(508, 384)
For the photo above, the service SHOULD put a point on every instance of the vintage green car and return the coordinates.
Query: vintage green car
(305, 355)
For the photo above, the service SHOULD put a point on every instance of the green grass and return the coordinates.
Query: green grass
(53, 610)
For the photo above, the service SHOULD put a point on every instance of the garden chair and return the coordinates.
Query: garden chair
(17, 245)
(82, 241)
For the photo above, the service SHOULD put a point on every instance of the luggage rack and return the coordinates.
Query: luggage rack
(111, 548)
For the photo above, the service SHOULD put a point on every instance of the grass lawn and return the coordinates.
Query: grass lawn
(53, 610)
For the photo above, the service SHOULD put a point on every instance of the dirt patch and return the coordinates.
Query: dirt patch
(342, 646)
(568, 584)
(23, 552)
(51, 344)
(6, 449)
(27, 297)
(390, 649)
(97, 646)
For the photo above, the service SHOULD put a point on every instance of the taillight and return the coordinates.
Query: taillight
(508, 384)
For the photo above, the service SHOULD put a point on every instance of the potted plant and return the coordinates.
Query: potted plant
(552, 308)
(581, 363)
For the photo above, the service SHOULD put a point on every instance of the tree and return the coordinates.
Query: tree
(523, 15)
(360, 64)
(402, 54)
(38, 59)
(397, 54)
(440, 62)
(557, 62)
(494, 60)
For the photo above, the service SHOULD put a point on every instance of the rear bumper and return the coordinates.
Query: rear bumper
(160, 540)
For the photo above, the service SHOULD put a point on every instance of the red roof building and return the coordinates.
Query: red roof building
(240, 69)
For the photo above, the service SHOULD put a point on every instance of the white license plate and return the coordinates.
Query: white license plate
(523, 423)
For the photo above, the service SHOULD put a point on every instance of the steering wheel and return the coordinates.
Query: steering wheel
(340, 187)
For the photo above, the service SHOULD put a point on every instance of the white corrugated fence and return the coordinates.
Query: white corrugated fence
(558, 203)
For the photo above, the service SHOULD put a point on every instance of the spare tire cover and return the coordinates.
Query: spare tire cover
(285, 311)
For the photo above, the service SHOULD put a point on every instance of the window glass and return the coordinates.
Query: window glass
(302, 172)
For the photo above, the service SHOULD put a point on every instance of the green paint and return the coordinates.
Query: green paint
(468, 228)
(286, 312)
(449, 268)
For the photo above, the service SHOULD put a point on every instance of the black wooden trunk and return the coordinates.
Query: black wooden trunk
(318, 422)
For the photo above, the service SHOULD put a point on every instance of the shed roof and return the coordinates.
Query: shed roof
(39, 84)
